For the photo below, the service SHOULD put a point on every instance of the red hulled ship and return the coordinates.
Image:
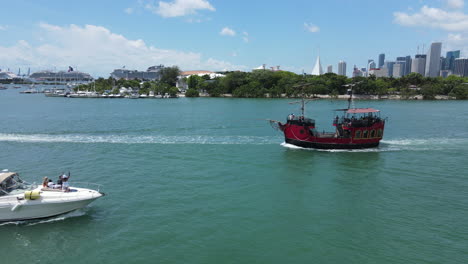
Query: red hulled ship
(355, 128)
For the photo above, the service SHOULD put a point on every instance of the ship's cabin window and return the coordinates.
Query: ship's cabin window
(372, 133)
(379, 133)
(358, 134)
(365, 134)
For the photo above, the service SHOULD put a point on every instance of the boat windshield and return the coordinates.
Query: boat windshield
(11, 183)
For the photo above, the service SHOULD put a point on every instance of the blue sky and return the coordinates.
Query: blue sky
(99, 36)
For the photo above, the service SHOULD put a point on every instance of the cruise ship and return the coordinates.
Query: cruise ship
(61, 77)
(152, 73)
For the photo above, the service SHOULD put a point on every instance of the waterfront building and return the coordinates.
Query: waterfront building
(329, 69)
(381, 60)
(181, 83)
(461, 67)
(389, 66)
(379, 72)
(418, 65)
(433, 60)
(342, 68)
(450, 60)
(152, 73)
(318, 67)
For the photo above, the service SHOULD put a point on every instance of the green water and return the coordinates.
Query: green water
(208, 180)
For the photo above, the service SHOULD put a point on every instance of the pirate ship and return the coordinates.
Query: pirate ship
(354, 128)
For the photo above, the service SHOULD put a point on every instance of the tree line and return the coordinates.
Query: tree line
(263, 83)
(260, 83)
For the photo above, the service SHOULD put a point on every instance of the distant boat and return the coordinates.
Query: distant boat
(30, 91)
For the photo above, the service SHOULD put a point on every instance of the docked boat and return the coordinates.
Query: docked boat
(20, 200)
(354, 128)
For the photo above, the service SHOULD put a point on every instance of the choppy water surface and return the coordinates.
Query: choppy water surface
(208, 181)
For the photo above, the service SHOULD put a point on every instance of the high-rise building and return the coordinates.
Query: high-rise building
(450, 59)
(418, 64)
(433, 60)
(381, 60)
(407, 67)
(318, 67)
(398, 69)
(342, 68)
(461, 67)
(389, 66)
(329, 69)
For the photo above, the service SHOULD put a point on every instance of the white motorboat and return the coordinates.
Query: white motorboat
(20, 200)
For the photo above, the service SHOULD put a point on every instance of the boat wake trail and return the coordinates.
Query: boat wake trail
(137, 139)
(402, 145)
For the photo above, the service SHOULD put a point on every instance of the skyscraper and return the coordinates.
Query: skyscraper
(407, 65)
(450, 59)
(461, 67)
(398, 69)
(329, 69)
(419, 64)
(389, 66)
(433, 60)
(342, 68)
(381, 60)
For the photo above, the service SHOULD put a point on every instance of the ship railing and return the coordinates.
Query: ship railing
(88, 185)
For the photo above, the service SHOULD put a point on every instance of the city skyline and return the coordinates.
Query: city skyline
(97, 37)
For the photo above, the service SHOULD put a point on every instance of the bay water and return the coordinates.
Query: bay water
(207, 180)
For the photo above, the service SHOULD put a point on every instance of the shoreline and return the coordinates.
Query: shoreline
(345, 97)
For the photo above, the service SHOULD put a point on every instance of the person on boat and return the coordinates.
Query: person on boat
(59, 182)
(65, 184)
(51, 184)
(45, 182)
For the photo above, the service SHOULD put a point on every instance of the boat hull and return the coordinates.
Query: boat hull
(324, 145)
(344, 137)
(49, 204)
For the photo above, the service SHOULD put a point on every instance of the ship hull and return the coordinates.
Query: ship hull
(330, 145)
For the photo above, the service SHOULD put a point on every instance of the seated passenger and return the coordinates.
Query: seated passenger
(50, 184)
(45, 181)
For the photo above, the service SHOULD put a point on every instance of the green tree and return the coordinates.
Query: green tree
(192, 93)
(194, 81)
(169, 75)
(173, 91)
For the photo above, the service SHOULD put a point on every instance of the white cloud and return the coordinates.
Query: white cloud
(245, 37)
(129, 10)
(178, 8)
(456, 4)
(97, 50)
(458, 41)
(455, 22)
(433, 18)
(3, 27)
(227, 32)
(311, 27)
